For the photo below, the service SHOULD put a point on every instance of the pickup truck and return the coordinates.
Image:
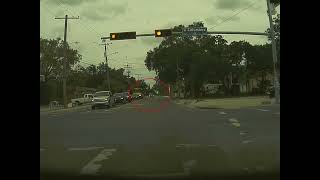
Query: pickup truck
(103, 99)
(85, 99)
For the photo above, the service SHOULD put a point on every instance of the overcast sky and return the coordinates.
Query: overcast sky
(100, 17)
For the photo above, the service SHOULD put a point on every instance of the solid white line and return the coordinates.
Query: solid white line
(265, 110)
(92, 168)
(84, 149)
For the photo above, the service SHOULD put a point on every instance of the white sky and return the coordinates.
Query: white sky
(100, 17)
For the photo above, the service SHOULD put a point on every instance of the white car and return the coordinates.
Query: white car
(87, 98)
(102, 99)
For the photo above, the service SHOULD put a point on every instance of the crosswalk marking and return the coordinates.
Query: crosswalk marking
(92, 168)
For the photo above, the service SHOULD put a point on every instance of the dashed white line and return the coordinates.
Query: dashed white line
(84, 149)
(92, 168)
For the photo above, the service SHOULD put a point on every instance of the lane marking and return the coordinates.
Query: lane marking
(42, 149)
(188, 165)
(236, 124)
(233, 120)
(223, 113)
(243, 133)
(187, 145)
(264, 110)
(84, 149)
(247, 141)
(92, 168)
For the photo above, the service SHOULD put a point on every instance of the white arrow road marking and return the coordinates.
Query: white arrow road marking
(265, 110)
(92, 168)
(233, 120)
(84, 149)
(236, 124)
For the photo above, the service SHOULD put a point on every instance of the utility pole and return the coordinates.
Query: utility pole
(107, 66)
(274, 55)
(178, 85)
(65, 99)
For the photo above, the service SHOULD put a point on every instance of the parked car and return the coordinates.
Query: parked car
(118, 98)
(127, 96)
(103, 99)
(85, 99)
(123, 97)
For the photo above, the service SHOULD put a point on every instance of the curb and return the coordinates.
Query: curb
(67, 110)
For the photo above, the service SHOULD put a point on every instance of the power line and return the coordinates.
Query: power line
(91, 29)
(230, 17)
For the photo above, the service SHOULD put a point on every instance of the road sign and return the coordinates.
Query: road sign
(194, 31)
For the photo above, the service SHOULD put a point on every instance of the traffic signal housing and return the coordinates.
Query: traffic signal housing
(162, 32)
(123, 35)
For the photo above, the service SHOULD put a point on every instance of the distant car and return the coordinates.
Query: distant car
(127, 96)
(119, 98)
(102, 99)
(137, 96)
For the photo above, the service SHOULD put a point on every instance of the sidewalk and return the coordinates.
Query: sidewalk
(226, 103)
(46, 109)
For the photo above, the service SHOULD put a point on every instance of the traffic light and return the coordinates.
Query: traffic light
(122, 35)
(162, 32)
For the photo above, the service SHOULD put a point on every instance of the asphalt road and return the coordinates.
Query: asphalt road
(136, 139)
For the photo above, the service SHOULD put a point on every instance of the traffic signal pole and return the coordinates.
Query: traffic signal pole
(274, 55)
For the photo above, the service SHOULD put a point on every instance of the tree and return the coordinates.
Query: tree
(276, 22)
(52, 57)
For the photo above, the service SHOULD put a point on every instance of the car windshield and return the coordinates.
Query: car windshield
(181, 87)
(99, 94)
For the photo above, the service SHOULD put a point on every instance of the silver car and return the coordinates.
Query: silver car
(102, 99)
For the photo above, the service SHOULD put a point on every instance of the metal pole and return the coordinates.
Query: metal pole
(65, 64)
(274, 55)
(108, 78)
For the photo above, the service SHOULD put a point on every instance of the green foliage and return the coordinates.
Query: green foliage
(206, 59)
